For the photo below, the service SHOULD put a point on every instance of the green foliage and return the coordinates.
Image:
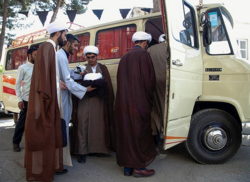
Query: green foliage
(78, 5)
(14, 22)
(49, 5)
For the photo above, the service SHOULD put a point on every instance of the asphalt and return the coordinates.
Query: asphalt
(176, 165)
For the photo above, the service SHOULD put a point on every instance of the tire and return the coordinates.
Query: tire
(214, 137)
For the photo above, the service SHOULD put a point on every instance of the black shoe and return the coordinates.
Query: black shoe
(61, 172)
(102, 155)
(128, 173)
(16, 148)
(81, 159)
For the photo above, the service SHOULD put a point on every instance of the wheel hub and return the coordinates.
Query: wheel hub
(215, 138)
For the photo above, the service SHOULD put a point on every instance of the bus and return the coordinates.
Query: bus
(207, 96)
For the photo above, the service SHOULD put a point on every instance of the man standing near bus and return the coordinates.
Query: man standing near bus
(133, 107)
(43, 133)
(70, 47)
(24, 74)
(159, 56)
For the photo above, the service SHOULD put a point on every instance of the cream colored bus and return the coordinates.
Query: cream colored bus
(208, 97)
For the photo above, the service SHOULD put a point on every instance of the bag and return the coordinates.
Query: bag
(64, 132)
(75, 73)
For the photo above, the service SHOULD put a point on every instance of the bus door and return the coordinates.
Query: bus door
(185, 84)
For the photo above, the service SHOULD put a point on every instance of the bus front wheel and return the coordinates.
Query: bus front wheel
(214, 137)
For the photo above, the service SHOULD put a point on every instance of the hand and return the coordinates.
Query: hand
(63, 85)
(85, 72)
(21, 105)
(89, 89)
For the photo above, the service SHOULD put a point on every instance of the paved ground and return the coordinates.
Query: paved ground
(173, 165)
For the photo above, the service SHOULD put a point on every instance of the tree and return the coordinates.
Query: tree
(156, 6)
(55, 5)
(5, 11)
(10, 20)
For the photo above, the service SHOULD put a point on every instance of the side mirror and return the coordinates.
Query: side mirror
(207, 34)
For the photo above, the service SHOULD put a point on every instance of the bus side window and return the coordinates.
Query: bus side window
(115, 42)
(79, 56)
(16, 58)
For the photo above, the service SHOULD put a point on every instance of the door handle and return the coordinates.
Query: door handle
(177, 62)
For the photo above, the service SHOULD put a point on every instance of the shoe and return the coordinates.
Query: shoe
(61, 172)
(102, 155)
(16, 148)
(128, 173)
(143, 173)
(81, 159)
(98, 155)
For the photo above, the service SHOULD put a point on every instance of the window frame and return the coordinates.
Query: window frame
(218, 10)
(196, 38)
(7, 56)
(246, 49)
(77, 35)
(106, 29)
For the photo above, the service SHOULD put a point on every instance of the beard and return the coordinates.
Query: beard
(60, 41)
(71, 50)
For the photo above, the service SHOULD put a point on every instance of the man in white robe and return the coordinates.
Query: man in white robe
(70, 47)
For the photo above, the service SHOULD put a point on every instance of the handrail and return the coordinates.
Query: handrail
(29, 38)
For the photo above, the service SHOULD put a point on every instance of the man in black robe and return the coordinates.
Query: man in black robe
(135, 86)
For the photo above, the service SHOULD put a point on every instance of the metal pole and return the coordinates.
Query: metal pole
(200, 3)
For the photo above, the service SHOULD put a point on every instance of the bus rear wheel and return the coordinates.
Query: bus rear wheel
(214, 137)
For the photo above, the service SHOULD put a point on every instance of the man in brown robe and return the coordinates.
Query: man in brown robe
(135, 147)
(159, 56)
(95, 112)
(43, 134)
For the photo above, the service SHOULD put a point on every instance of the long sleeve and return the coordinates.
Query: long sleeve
(19, 78)
(75, 88)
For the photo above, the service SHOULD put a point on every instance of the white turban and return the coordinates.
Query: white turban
(90, 49)
(93, 76)
(161, 39)
(56, 26)
(141, 36)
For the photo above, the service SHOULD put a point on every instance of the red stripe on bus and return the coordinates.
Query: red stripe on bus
(9, 90)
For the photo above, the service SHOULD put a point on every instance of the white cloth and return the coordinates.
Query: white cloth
(94, 68)
(93, 76)
(58, 88)
(72, 87)
(90, 49)
(56, 26)
(161, 39)
(24, 74)
(140, 35)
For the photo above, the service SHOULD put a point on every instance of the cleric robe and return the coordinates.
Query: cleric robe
(159, 58)
(43, 135)
(95, 119)
(72, 87)
(135, 86)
